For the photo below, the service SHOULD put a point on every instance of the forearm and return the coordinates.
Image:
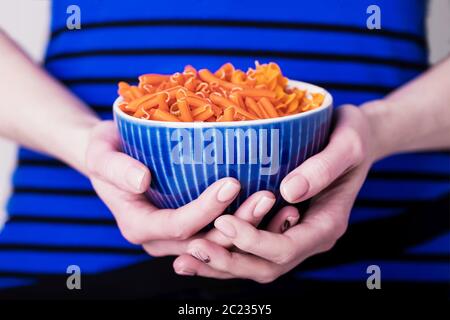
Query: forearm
(416, 116)
(37, 112)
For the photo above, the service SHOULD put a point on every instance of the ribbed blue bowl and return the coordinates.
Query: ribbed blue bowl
(185, 158)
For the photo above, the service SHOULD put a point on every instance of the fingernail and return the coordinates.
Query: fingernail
(285, 226)
(228, 191)
(186, 272)
(289, 222)
(200, 255)
(135, 177)
(225, 227)
(294, 187)
(263, 206)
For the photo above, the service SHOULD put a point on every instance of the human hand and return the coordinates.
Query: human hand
(332, 177)
(120, 181)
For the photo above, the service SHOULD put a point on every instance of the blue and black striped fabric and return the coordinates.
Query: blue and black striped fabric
(399, 221)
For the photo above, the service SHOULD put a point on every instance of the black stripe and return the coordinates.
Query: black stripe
(56, 191)
(284, 25)
(63, 249)
(397, 175)
(23, 218)
(428, 258)
(42, 163)
(383, 175)
(390, 203)
(325, 84)
(375, 203)
(268, 54)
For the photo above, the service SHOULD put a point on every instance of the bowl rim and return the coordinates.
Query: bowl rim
(327, 103)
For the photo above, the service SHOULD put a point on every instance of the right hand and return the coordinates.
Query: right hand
(120, 181)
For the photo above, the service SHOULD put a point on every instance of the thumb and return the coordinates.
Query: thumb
(104, 161)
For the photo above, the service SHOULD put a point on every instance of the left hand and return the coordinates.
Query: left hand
(333, 177)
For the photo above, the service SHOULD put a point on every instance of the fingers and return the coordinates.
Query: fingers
(105, 161)
(140, 223)
(268, 245)
(238, 265)
(345, 150)
(286, 218)
(186, 265)
(252, 211)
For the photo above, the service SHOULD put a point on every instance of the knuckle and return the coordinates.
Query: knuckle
(129, 231)
(283, 258)
(327, 246)
(332, 229)
(324, 169)
(357, 146)
(249, 241)
(340, 228)
(153, 250)
(267, 276)
(326, 224)
(179, 232)
(131, 236)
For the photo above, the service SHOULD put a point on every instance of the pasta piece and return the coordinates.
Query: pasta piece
(228, 115)
(251, 92)
(268, 107)
(225, 72)
(153, 79)
(183, 107)
(208, 77)
(160, 115)
(253, 106)
(202, 113)
(221, 101)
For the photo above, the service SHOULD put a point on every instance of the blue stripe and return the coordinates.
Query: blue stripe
(231, 38)
(363, 214)
(416, 162)
(403, 190)
(57, 263)
(407, 16)
(438, 245)
(63, 234)
(31, 154)
(390, 271)
(11, 282)
(58, 206)
(63, 178)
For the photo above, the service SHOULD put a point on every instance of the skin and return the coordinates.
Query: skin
(66, 129)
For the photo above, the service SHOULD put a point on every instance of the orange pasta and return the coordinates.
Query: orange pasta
(228, 115)
(253, 106)
(183, 107)
(268, 107)
(227, 94)
(160, 115)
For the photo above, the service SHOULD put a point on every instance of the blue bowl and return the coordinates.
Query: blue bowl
(185, 158)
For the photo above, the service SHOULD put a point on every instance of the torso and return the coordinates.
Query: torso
(56, 218)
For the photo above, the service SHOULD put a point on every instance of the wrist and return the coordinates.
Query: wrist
(384, 141)
(73, 150)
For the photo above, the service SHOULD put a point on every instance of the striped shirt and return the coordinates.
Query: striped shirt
(400, 219)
